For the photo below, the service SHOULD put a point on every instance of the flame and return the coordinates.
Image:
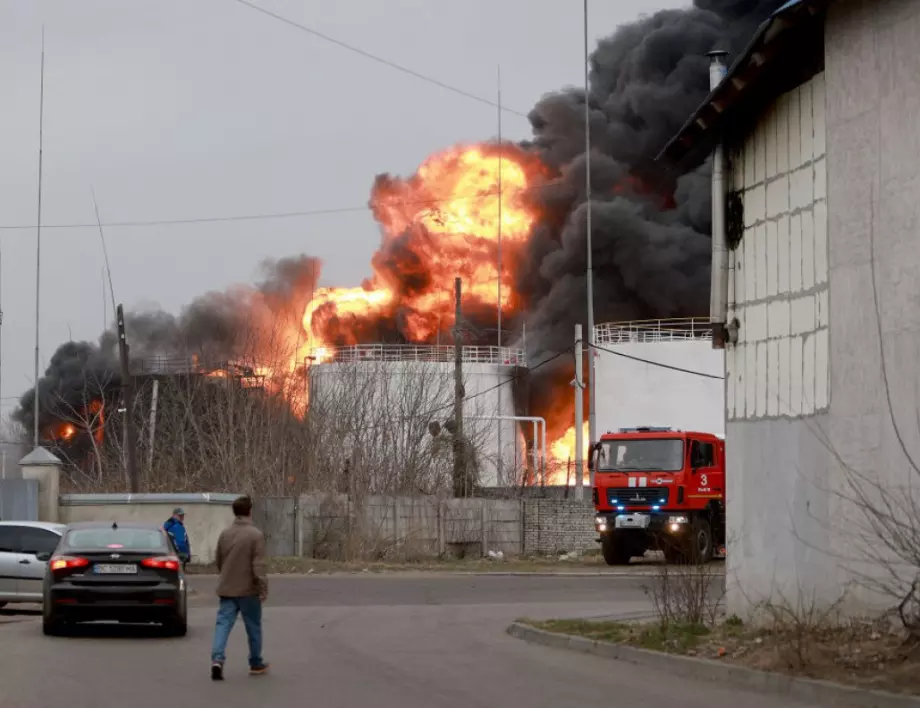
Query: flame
(562, 450)
(441, 223)
(444, 221)
(91, 419)
(96, 410)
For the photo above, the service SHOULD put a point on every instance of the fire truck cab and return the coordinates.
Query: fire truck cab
(659, 489)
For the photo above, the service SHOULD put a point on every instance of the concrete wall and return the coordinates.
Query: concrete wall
(792, 533)
(205, 515)
(385, 527)
(402, 527)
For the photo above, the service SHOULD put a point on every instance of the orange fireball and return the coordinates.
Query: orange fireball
(444, 221)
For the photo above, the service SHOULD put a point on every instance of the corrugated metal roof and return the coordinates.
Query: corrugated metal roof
(762, 49)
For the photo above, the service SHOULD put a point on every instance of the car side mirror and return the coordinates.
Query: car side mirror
(591, 452)
(43, 556)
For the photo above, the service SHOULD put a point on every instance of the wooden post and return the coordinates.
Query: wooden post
(442, 542)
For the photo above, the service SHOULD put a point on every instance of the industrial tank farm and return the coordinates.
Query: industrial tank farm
(632, 392)
(408, 387)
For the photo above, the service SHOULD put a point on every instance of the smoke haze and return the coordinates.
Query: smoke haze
(650, 250)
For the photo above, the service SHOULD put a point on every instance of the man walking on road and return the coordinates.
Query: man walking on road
(242, 588)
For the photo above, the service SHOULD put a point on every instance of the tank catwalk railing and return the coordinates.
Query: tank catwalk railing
(652, 331)
(187, 365)
(501, 356)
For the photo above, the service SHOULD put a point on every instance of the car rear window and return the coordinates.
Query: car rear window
(129, 539)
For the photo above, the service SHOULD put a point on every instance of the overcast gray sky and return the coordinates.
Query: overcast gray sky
(180, 109)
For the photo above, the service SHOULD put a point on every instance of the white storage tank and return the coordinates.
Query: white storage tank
(633, 393)
(388, 394)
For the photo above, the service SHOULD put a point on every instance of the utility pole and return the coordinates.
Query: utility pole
(127, 389)
(579, 417)
(501, 452)
(592, 413)
(459, 445)
(38, 243)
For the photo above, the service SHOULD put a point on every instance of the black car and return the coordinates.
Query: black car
(124, 572)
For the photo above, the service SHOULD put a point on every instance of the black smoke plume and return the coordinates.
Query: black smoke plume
(650, 251)
(216, 327)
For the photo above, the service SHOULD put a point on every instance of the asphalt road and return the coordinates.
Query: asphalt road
(363, 640)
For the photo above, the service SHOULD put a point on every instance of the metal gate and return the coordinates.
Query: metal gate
(18, 500)
(275, 517)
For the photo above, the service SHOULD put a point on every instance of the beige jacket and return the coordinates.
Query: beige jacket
(241, 561)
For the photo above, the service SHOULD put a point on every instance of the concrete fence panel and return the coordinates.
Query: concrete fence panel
(379, 527)
(277, 517)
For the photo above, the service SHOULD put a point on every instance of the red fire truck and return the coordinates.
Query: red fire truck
(659, 489)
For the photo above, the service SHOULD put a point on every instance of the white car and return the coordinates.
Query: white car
(25, 547)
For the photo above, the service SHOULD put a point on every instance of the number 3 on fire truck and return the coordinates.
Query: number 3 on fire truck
(704, 480)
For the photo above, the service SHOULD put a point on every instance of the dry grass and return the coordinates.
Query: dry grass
(869, 655)
(531, 564)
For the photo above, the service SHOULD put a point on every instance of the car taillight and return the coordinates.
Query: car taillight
(162, 562)
(67, 562)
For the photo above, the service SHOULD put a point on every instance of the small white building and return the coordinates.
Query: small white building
(821, 300)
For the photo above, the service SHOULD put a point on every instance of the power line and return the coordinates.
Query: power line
(654, 363)
(379, 59)
(243, 217)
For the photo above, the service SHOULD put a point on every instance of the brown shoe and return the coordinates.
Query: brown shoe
(259, 669)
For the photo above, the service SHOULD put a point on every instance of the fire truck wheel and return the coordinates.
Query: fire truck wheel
(616, 551)
(701, 542)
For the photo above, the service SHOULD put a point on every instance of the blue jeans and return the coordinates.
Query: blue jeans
(251, 609)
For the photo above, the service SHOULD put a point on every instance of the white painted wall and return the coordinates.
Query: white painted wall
(204, 522)
(778, 286)
(631, 393)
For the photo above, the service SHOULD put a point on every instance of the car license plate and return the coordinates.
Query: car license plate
(632, 521)
(116, 569)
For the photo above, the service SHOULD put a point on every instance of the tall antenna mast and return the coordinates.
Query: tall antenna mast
(38, 238)
(501, 452)
(105, 252)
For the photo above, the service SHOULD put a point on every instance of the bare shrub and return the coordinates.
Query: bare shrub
(688, 594)
(802, 627)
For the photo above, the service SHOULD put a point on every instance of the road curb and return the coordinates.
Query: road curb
(476, 573)
(561, 574)
(716, 672)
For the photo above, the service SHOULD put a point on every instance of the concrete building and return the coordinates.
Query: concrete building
(821, 295)
(635, 387)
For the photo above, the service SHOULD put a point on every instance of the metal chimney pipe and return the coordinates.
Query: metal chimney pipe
(718, 296)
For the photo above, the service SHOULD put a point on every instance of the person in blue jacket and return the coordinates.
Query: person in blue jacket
(175, 527)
